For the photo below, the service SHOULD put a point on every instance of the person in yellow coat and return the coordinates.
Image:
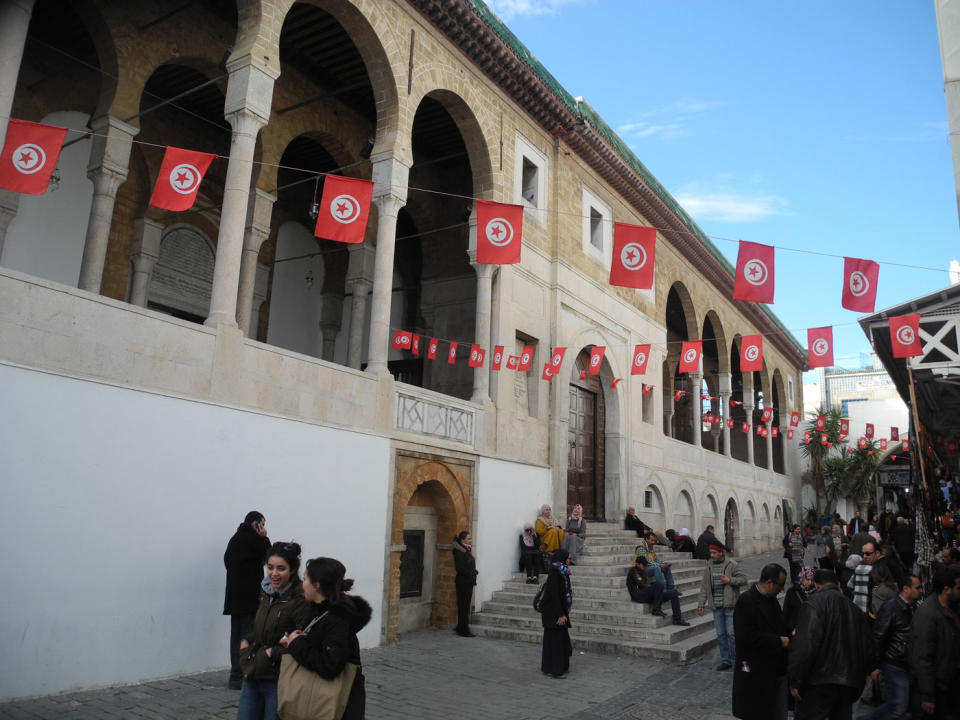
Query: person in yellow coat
(549, 530)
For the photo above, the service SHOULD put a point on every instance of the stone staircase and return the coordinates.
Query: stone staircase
(604, 619)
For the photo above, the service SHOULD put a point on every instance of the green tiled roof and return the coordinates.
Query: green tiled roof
(583, 109)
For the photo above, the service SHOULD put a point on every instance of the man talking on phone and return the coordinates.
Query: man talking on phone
(244, 558)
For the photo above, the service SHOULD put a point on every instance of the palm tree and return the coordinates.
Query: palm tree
(820, 452)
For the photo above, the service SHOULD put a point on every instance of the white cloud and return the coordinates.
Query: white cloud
(724, 206)
(511, 8)
(667, 121)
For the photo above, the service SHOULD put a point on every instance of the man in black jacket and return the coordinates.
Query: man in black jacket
(760, 670)
(830, 655)
(935, 647)
(633, 522)
(706, 539)
(644, 588)
(243, 559)
(891, 633)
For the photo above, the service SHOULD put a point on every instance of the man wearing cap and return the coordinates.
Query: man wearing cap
(719, 590)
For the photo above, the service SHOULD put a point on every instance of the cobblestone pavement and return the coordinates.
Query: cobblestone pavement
(434, 674)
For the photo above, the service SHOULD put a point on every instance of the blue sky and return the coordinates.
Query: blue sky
(812, 125)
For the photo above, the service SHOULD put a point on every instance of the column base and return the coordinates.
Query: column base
(216, 319)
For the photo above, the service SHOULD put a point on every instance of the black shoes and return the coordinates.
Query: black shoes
(681, 622)
(658, 612)
(724, 666)
(464, 633)
(532, 581)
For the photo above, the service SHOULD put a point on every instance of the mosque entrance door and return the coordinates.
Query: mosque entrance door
(585, 456)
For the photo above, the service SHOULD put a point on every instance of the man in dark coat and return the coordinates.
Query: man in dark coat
(633, 522)
(760, 672)
(831, 653)
(244, 557)
(935, 647)
(904, 542)
(706, 539)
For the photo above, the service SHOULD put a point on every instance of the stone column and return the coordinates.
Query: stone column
(259, 212)
(725, 389)
(696, 404)
(359, 283)
(331, 318)
(9, 206)
(390, 194)
(769, 440)
(247, 109)
(481, 375)
(668, 412)
(108, 167)
(14, 22)
(748, 409)
(144, 255)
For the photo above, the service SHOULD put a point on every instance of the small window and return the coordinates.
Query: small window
(411, 564)
(596, 228)
(648, 500)
(529, 182)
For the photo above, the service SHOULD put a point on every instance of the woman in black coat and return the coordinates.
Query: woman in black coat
(555, 617)
(466, 566)
(330, 641)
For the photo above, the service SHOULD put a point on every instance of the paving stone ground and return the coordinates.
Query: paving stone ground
(434, 675)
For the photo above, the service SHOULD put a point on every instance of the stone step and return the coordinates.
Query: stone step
(665, 635)
(683, 651)
(620, 604)
(621, 569)
(616, 589)
(623, 614)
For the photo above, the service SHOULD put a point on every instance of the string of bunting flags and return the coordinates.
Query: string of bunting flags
(31, 150)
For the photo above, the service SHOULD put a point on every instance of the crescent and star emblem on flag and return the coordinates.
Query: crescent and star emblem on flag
(690, 355)
(752, 353)
(525, 358)
(905, 335)
(595, 360)
(29, 158)
(640, 359)
(499, 232)
(820, 347)
(633, 256)
(184, 178)
(344, 209)
(755, 272)
(497, 357)
(474, 356)
(859, 285)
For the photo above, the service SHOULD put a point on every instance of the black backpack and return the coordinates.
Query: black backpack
(538, 598)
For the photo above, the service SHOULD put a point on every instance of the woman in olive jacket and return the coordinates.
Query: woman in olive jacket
(282, 609)
(331, 641)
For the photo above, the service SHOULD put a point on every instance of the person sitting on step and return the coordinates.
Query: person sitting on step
(576, 534)
(656, 567)
(530, 558)
(644, 589)
(549, 530)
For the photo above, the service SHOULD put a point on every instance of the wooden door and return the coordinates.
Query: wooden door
(582, 458)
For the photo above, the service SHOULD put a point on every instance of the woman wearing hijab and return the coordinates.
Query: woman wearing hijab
(576, 534)
(555, 616)
(549, 530)
(530, 554)
(684, 543)
(796, 596)
(466, 578)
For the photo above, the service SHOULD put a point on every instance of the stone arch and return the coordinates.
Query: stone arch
(370, 30)
(689, 311)
(777, 521)
(447, 486)
(655, 515)
(750, 521)
(731, 525)
(684, 511)
(781, 416)
(709, 510)
(721, 344)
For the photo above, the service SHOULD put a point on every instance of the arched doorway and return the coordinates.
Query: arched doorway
(731, 526)
(586, 439)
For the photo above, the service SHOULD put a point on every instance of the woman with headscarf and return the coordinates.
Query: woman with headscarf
(683, 542)
(549, 530)
(530, 554)
(465, 580)
(796, 596)
(555, 617)
(576, 534)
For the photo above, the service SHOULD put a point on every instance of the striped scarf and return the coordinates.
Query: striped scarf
(716, 572)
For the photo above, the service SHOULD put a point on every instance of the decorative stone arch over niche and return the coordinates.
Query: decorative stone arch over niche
(444, 484)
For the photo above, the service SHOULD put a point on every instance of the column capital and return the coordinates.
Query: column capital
(259, 215)
(111, 144)
(725, 382)
(245, 122)
(389, 204)
(390, 176)
(249, 90)
(146, 238)
(361, 259)
(359, 286)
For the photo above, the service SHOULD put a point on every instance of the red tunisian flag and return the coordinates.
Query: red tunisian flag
(905, 336)
(754, 279)
(178, 181)
(894, 433)
(821, 422)
(497, 356)
(647, 389)
(634, 247)
(596, 358)
(859, 284)
(844, 426)
(868, 431)
(432, 349)
(415, 345)
(883, 443)
(767, 414)
(690, 355)
(745, 427)
(402, 340)
(548, 372)
(344, 209)
(499, 232)
(513, 362)
(820, 344)
(29, 156)
(556, 360)
(526, 357)
(751, 353)
(477, 356)
(790, 434)
(641, 353)
(730, 423)
(794, 418)
(452, 353)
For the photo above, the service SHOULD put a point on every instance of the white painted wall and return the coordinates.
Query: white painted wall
(46, 237)
(508, 495)
(118, 505)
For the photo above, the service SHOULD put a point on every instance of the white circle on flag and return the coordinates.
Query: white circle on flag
(755, 272)
(640, 359)
(594, 361)
(499, 232)
(752, 353)
(820, 347)
(859, 285)
(525, 358)
(556, 360)
(453, 352)
(344, 209)
(29, 158)
(690, 355)
(184, 178)
(633, 256)
(547, 371)
(474, 355)
(905, 335)
(497, 357)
